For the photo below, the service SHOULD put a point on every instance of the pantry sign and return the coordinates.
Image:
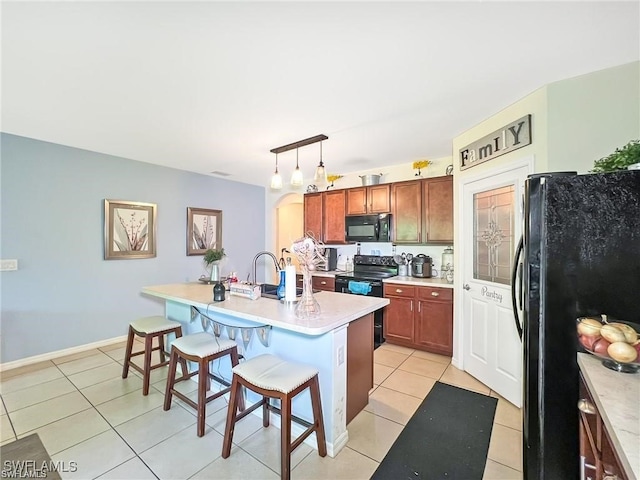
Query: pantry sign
(509, 138)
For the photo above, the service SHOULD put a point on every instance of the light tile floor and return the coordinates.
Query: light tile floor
(86, 413)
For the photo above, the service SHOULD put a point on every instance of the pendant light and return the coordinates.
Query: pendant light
(276, 179)
(321, 172)
(297, 179)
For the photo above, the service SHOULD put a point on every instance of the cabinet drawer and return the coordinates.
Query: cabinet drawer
(434, 293)
(397, 290)
(324, 283)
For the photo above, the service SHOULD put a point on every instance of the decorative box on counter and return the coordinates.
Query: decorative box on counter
(246, 290)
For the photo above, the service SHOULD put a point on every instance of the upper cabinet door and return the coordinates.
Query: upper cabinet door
(368, 200)
(334, 212)
(438, 210)
(406, 208)
(357, 201)
(378, 198)
(313, 214)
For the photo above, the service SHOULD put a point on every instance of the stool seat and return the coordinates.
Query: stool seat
(273, 377)
(153, 324)
(149, 328)
(273, 373)
(201, 348)
(202, 344)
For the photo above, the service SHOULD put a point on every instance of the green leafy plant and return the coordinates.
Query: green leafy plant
(620, 159)
(211, 256)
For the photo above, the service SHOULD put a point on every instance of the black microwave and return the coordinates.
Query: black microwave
(368, 228)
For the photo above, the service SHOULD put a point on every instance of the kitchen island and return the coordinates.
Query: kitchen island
(339, 343)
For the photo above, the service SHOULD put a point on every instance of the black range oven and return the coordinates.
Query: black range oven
(366, 279)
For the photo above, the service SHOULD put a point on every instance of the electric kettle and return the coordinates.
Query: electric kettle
(421, 266)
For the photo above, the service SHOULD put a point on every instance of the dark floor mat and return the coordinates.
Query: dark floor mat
(447, 438)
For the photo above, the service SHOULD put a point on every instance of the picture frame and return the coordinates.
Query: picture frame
(204, 230)
(129, 230)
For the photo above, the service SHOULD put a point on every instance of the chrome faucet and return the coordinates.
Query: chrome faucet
(255, 263)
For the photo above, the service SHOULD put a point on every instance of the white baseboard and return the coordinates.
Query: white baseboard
(59, 353)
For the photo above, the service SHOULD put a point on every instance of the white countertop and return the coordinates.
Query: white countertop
(420, 282)
(337, 309)
(617, 398)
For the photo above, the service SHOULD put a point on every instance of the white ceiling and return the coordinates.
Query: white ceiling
(213, 86)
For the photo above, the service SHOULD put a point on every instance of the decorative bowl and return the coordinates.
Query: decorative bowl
(617, 346)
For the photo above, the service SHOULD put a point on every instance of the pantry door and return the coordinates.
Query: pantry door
(492, 216)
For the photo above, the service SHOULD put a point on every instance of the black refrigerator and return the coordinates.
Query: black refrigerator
(579, 256)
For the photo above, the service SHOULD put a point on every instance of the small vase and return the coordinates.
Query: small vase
(215, 272)
(281, 286)
(308, 306)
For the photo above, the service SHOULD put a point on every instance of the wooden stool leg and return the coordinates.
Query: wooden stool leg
(316, 405)
(234, 361)
(161, 351)
(265, 411)
(171, 379)
(231, 417)
(203, 380)
(127, 353)
(285, 437)
(148, 345)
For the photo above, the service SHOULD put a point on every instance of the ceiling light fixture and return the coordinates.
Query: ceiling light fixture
(297, 178)
(276, 180)
(321, 172)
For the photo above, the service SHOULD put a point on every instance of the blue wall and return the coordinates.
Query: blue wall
(64, 293)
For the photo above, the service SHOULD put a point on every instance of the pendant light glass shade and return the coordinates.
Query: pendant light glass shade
(321, 172)
(297, 179)
(276, 179)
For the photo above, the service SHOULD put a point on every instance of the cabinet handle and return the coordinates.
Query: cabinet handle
(323, 283)
(398, 290)
(435, 294)
(419, 307)
(586, 406)
(412, 305)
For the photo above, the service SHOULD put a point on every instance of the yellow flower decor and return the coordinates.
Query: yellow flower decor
(420, 164)
(332, 178)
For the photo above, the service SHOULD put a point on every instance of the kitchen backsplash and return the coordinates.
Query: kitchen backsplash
(433, 251)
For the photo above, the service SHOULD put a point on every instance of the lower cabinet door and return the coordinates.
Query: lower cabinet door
(398, 319)
(434, 326)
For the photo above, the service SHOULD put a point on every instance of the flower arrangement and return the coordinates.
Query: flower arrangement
(332, 178)
(420, 164)
(310, 255)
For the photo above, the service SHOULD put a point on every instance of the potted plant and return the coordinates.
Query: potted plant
(621, 159)
(211, 258)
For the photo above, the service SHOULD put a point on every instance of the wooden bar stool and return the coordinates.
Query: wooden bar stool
(273, 377)
(149, 328)
(201, 348)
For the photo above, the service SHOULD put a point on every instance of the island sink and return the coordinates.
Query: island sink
(269, 290)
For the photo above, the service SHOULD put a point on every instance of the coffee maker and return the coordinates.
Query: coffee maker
(331, 259)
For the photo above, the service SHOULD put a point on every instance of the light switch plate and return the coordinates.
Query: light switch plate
(8, 265)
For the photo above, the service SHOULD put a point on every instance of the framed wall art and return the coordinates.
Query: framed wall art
(204, 230)
(129, 230)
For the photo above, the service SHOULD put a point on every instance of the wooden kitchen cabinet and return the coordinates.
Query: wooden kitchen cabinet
(368, 200)
(419, 317)
(437, 201)
(323, 283)
(398, 315)
(324, 214)
(434, 320)
(423, 211)
(598, 457)
(406, 211)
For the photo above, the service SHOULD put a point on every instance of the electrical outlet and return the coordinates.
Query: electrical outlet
(340, 355)
(8, 265)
